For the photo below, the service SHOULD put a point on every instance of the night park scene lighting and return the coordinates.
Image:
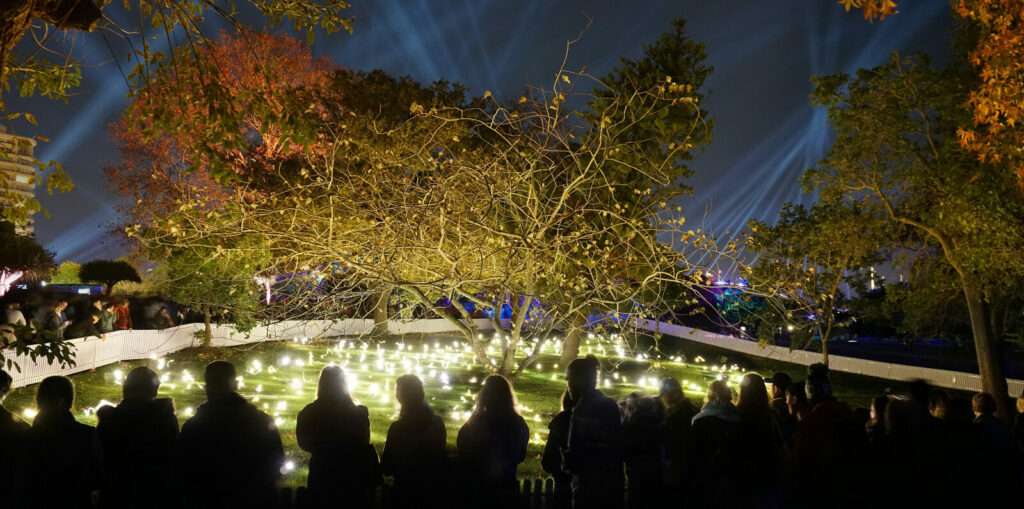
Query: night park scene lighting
(587, 254)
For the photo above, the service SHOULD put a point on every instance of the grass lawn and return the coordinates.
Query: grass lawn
(280, 377)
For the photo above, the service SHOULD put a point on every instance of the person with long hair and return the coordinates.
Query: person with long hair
(761, 445)
(491, 445)
(336, 432)
(676, 429)
(714, 450)
(414, 452)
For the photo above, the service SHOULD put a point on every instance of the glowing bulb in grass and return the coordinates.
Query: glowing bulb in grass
(29, 413)
(189, 411)
(289, 466)
(118, 376)
(281, 405)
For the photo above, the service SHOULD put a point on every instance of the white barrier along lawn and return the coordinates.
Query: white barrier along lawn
(94, 352)
(939, 377)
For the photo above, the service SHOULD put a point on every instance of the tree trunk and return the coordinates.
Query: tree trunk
(986, 346)
(207, 327)
(380, 313)
(573, 338)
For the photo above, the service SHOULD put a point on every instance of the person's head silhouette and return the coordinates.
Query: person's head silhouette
(409, 391)
(332, 386)
(719, 392)
(220, 379)
(581, 376)
(496, 397)
(753, 394)
(55, 394)
(141, 384)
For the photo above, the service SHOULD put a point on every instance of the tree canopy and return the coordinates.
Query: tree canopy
(551, 212)
(897, 152)
(108, 272)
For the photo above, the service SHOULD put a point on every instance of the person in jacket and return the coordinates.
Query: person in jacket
(336, 432)
(123, 315)
(106, 314)
(55, 321)
(551, 459)
(14, 434)
(713, 454)
(138, 438)
(827, 446)
(676, 429)
(414, 453)
(761, 449)
(63, 454)
(491, 445)
(642, 419)
(230, 453)
(594, 455)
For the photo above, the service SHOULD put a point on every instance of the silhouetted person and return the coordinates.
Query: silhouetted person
(642, 419)
(995, 446)
(13, 434)
(675, 435)
(491, 445)
(714, 454)
(780, 382)
(414, 453)
(595, 452)
(551, 460)
(122, 315)
(87, 324)
(55, 321)
(761, 451)
(230, 453)
(796, 402)
(63, 454)
(827, 444)
(1018, 432)
(875, 427)
(336, 432)
(138, 438)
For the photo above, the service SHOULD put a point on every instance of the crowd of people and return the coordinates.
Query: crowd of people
(59, 318)
(793, 446)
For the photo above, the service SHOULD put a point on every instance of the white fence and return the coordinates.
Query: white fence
(92, 353)
(889, 371)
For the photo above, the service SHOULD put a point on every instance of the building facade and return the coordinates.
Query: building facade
(17, 173)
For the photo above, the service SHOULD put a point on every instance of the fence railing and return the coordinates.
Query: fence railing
(93, 352)
(886, 370)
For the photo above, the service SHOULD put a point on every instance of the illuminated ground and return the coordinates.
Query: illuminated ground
(281, 378)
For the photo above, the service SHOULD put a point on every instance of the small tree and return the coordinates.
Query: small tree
(109, 272)
(67, 273)
(216, 284)
(804, 260)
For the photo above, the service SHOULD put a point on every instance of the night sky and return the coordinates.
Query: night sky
(763, 54)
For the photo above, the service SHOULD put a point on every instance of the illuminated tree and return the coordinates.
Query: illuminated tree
(896, 150)
(217, 286)
(67, 273)
(995, 131)
(805, 259)
(532, 206)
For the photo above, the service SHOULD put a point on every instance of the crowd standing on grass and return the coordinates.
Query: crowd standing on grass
(795, 445)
